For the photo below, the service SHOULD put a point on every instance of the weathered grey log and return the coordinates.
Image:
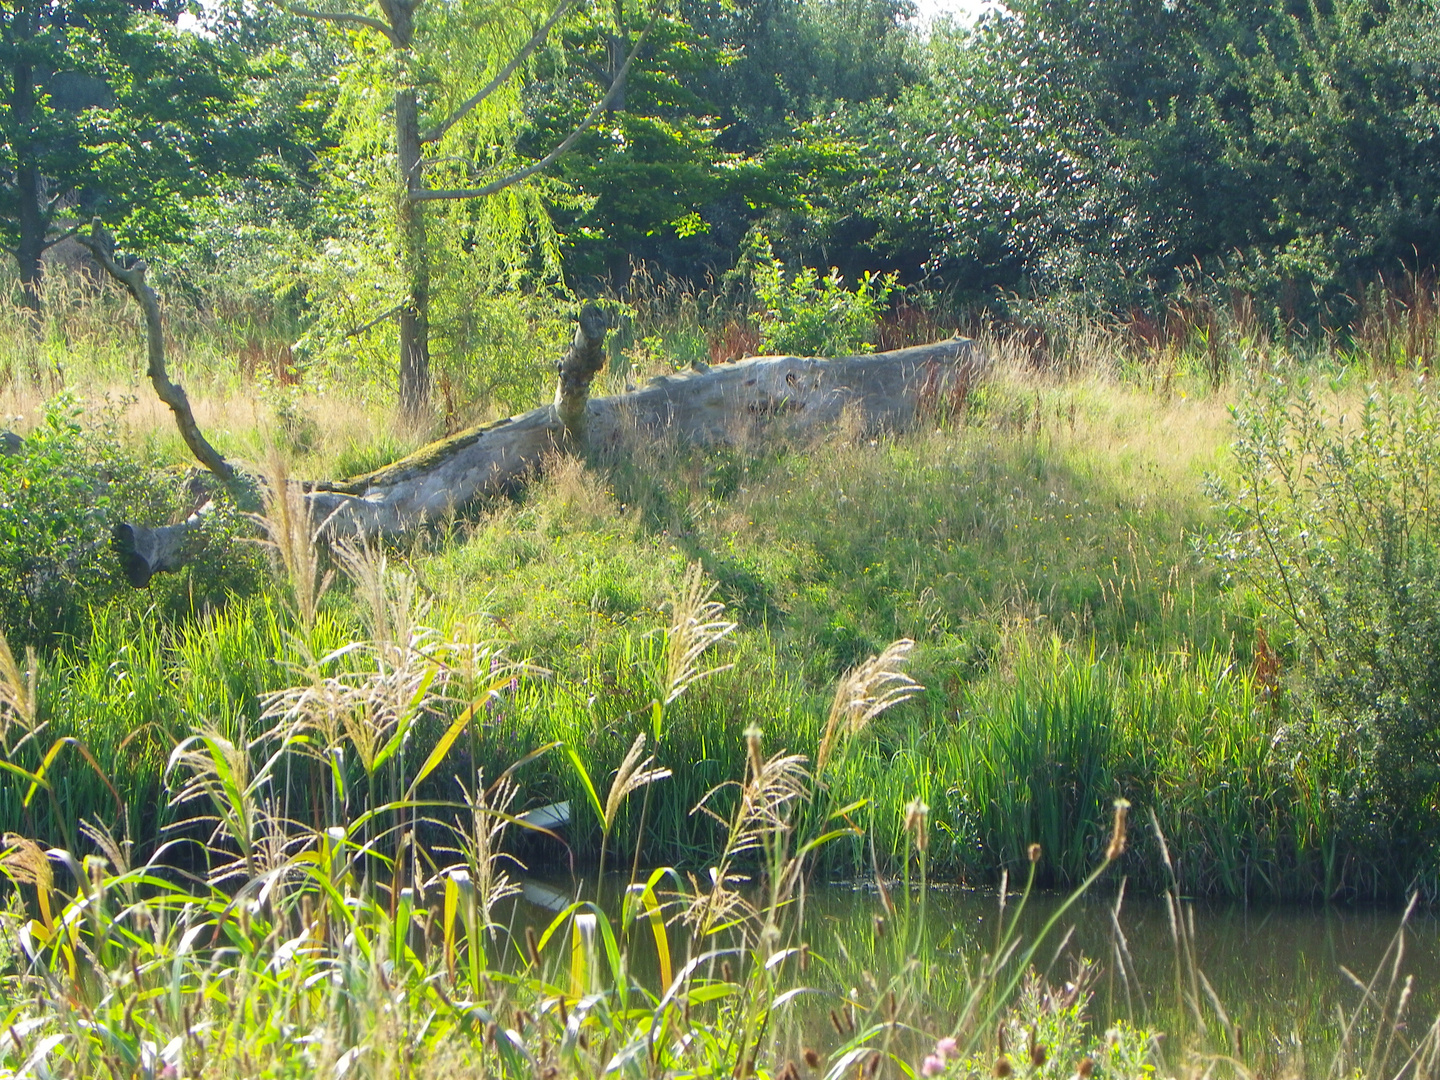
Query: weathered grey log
(144, 551)
(703, 408)
(887, 390)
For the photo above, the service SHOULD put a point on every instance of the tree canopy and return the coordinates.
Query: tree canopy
(399, 175)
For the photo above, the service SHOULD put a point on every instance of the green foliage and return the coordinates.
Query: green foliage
(1046, 1035)
(113, 111)
(788, 61)
(61, 494)
(807, 315)
(1110, 149)
(1334, 524)
(255, 230)
(58, 495)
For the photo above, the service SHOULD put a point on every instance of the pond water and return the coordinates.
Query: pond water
(1278, 972)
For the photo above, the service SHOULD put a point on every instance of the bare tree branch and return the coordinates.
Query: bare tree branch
(351, 17)
(102, 246)
(437, 133)
(376, 321)
(549, 159)
(66, 235)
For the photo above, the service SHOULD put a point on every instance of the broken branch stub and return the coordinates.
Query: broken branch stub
(577, 370)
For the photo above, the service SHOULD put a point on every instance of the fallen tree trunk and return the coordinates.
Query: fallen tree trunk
(886, 390)
(707, 406)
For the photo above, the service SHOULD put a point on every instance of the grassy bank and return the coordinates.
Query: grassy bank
(1057, 550)
(1044, 550)
(279, 795)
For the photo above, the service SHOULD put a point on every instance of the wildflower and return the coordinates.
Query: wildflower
(947, 1047)
(934, 1066)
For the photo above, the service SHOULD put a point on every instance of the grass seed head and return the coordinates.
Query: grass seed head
(917, 823)
(1116, 847)
(632, 775)
(864, 692)
(18, 703)
(697, 622)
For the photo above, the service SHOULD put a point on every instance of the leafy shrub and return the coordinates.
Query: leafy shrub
(1335, 524)
(60, 493)
(54, 529)
(807, 315)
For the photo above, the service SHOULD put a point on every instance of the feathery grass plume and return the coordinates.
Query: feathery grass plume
(632, 775)
(315, 705)
(291, 531)
(409, 658)
(223, 772)
(762, 815)
(24, 862)
(481, 845)
(696, 623)
(18, 704)
(864, 693)
(723, 904)
(394, 609)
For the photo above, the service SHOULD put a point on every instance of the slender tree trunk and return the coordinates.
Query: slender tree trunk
(410, 215)
(617, 48)
(29, 185)
(32, 239)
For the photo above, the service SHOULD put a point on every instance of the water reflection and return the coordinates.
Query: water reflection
(1267, 965)
(1278, 972)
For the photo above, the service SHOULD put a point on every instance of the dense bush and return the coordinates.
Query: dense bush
(1335, 524)
(1288, 150)
(60, 493)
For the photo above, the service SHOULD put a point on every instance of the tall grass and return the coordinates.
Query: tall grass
(1043, 548)
(1040, 551)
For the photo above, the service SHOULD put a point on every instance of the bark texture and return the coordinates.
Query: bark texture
(885, 391)
(577, 370)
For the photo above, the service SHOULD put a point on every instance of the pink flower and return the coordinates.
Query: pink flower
(946, 1047)
(934, 1066)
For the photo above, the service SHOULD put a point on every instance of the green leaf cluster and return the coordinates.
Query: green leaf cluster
(1335, 524)
(1285, 148)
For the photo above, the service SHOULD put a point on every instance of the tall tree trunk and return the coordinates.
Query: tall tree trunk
(617, 48)
(410, 217)
(30, 186)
